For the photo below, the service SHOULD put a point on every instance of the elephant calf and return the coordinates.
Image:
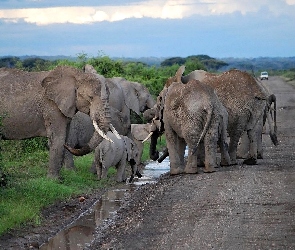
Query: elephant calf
(116, 153)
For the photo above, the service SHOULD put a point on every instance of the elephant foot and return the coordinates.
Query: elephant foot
(209, 170)
(54, 176)
(250, 161)
(259, 156)
(191, 169)
(175, 171)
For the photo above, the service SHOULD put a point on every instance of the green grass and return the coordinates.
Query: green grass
(29, 190)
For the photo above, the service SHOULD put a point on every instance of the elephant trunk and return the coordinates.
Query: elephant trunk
(101, 116)
(78, 152)
(154, 154)
(164, 155)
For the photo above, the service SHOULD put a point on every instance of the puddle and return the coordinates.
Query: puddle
(80, 233)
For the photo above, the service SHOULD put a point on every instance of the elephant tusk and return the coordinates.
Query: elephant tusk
(115, 132)
(100, 132)
(148, 137)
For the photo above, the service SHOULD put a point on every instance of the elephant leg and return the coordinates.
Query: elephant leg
(192, 164)
(175, 160)
(96, 164)
(210, 146)
(259, 140)
(121, 171)
(243, 146)
(181, 149)
(104, 171)
(235, 134)
(201, 154)
(252, 159)
(225, 158)
(57, 127)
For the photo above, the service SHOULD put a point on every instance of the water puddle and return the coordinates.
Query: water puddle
(80, 233)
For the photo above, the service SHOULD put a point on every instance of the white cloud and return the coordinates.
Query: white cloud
(171, 9)
(290, 2)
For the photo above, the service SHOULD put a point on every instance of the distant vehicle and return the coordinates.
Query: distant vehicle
(264, 75)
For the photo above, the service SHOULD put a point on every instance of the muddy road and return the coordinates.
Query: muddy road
(238, 207)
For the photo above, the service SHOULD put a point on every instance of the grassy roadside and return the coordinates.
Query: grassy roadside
(28, 190)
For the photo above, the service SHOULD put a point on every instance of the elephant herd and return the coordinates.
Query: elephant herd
(82, 111)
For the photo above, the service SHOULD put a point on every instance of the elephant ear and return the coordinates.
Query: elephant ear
(62, 92)
(131, 94)
(140, 131)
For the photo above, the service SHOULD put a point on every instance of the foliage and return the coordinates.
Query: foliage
(173, 60)
(9, 62)
(195, 62)
(260, 64)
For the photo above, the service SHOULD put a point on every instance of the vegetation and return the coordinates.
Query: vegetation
(24, 187)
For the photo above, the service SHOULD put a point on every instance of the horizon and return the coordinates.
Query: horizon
(148, 28)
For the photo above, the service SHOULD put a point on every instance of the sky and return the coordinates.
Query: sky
(148, 28)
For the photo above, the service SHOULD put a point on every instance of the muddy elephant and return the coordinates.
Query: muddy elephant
(43, 104)
(245, 101)
(125, 96)
(116, 153)
(268, 118)
(192, 113)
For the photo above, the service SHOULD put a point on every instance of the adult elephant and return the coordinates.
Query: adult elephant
(192, 113)
(125, 96)
(245, 101)
(269, 116)
(43, 104)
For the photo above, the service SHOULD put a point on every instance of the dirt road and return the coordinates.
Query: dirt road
(238, 207)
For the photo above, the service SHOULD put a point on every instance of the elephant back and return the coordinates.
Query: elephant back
(237, 90)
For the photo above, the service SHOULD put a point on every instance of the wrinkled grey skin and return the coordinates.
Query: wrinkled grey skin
(124, 97)
(116, 154)
(245, 102)
(192, 113)
(43, 104)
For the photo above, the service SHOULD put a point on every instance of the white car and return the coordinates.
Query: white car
(264, 75)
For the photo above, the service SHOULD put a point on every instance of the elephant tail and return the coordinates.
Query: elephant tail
(208, 121)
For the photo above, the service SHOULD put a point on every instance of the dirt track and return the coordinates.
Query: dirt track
(239, 207)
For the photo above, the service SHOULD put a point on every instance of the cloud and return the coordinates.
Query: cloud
(171, 9)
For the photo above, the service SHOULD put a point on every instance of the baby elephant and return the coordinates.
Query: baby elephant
(116, 154)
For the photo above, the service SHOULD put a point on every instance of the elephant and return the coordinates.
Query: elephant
(124, 97)
(43, 104)
(245, 101)
(191, 113)
(269, 116)
(116, 154)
